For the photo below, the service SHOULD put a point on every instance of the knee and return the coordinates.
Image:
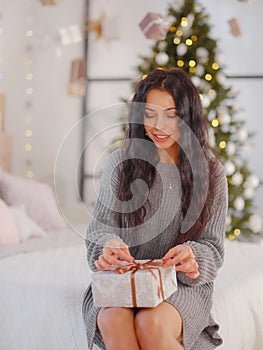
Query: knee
(111, 318)
(148, 323)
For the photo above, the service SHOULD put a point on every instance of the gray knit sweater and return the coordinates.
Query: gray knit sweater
(153, 239)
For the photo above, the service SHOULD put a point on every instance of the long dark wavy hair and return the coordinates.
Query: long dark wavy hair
(193, 166)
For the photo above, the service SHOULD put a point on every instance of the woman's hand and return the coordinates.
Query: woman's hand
(183, 257)
(115, 252)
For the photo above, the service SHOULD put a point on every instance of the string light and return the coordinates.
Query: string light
(192, 70)
(176, 41)
(184, 22)
(222, 144)
(215, 123)
(237, 232)
(180, 63)
(172, 29)
(231, 236)
(28, 147)
(189, 42)
(192, 63)
(208, 77)
(215, 66)
(194, 37)
(29, 92)
(29, 33)
(29, 76)
(179, 32)
(28, 133)
(29, 174)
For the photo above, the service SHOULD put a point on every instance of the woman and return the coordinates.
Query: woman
(163, 196)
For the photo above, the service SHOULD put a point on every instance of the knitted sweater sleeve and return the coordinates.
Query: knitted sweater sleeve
(102, 226)
(209, 250)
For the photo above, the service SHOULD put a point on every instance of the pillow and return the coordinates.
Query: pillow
(8, 230)
(37, 197)
(26, 227)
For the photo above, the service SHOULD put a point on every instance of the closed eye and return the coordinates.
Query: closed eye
(172, 116)
(149, 115)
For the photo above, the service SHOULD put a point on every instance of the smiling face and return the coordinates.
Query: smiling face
(161, 124)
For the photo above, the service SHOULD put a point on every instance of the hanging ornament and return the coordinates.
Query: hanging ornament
(239, 203)
(252, 181)
(69, 35)
(196, 81)
(231, 148)
(249, 192)
(202, 54)
(205, 101)
(162, 45)
(229, 168)
(199, 70)
(221, 78)
(211, 137)
(181, 49)
(224, 118)
(242, 135)
(154, 26)
(105, 27)
(161, 58)
(255, 223)
(177, 5)
(237, 179)
(235, 27)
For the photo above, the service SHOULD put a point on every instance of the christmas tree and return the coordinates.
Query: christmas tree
(188, 44)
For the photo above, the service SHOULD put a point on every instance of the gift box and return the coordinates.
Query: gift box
(235, 27)
(78, 70)
(143, 283)
(154, 26)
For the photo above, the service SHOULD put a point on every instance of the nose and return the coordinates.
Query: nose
(159, 124)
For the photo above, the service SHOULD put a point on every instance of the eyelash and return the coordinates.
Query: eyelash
(152, 116)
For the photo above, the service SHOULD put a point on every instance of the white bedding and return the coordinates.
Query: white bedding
(42, 287)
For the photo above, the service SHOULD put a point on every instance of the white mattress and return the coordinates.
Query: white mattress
(42, 286)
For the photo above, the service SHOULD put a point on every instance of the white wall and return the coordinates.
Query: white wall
(54, 112)
(240, 55)
(50, 111)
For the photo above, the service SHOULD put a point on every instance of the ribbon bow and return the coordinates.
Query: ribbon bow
(148, 266)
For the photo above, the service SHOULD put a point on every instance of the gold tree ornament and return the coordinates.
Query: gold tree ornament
(94, 26)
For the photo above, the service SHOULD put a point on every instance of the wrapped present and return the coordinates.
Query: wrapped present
(154, 26)
(235, 27)
(142, 283)
(78, 70)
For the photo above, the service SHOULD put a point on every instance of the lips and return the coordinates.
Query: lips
(161, 138)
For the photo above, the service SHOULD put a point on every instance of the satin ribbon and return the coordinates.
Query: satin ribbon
(148, 266)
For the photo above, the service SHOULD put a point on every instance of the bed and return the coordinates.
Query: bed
(43, 281)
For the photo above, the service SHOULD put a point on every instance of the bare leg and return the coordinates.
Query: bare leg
(116, 325)
(159, 328)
